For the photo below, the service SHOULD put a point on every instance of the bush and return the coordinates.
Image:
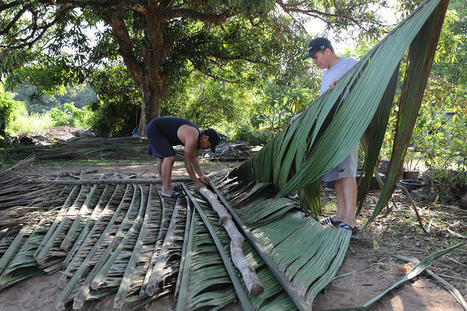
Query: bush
(252, 135)
(118, 106)
(71, 116)
(22, 121)
(449, 184)
(6, 109)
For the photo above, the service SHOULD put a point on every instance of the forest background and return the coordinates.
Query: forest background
(241, 71)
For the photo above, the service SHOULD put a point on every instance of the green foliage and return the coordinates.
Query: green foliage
(6, 109)
(118, 105)
(449, 184)
(441, 128)
(246, 132)
(451, 57)
(205, 101)
(71, 116)
(438, 139)
(23, 121)
(81, 95)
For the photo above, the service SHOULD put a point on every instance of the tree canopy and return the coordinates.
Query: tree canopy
(161, 42)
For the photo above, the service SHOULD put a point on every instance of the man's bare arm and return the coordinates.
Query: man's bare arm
(189, 136)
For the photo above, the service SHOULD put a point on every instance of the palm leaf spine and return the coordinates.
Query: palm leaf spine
(241, 294)
(416, 270)
(85, 264)
(85, 289)
(186, 237)
(14, 246)
(57, 220)
(156, 272)
(129, 272)
(451, 289)
(85, 209)
(297, 299)
(75, 261)
(70, 213)
(184, 283)
(157, 245)
(136, 223)
(95, 215)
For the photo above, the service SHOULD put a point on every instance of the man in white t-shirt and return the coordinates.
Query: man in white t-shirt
(323, 55)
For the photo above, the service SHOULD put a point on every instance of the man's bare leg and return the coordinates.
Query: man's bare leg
(346, 195)
(166, 174)
(159, 167)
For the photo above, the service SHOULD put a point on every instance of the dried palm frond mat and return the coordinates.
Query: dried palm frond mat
(127, 240)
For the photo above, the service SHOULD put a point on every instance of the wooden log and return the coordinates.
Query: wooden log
(236, 245)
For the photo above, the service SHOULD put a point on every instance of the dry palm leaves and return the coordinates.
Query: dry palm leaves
(128, 241)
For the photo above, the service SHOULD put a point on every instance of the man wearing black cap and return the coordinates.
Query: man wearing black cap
(165, 132)
(323, 55)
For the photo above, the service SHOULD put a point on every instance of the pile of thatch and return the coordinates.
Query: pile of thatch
(124, 148)
(125, 239)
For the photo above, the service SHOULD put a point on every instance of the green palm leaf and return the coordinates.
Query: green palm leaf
(307, 149)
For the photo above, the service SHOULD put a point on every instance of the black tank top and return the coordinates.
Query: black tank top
(168, 126)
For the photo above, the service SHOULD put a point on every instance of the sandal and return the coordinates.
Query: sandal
(330, 221)
(343, 225)
(174, 195)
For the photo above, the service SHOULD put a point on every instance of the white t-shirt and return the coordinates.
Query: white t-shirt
(336, 72)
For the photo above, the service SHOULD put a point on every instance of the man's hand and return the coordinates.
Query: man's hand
(295, 118)
(204, 179)
(199, 185)
(333, 84)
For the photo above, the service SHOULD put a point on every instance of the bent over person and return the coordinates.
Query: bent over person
(165, 132)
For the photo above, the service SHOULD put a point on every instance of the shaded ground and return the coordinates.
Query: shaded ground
(396, 234)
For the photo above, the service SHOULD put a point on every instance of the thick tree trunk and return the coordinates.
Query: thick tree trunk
(148, 73)
(152, 94)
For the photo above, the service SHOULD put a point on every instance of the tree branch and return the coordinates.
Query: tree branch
(120, 31)
(191, 14)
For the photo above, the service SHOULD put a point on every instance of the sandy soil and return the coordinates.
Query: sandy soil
(375, 246)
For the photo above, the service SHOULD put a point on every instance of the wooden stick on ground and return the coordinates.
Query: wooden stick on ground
(451, 289)
(236, 250)
(419, 218)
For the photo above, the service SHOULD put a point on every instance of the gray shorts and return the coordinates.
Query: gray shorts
(346, 169)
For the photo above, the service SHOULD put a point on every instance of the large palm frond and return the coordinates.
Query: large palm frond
(309, 148)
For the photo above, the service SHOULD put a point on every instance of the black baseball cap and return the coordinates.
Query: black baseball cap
(318, 44)
(214, 138)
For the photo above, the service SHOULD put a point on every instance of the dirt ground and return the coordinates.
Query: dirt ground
(396, 234)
